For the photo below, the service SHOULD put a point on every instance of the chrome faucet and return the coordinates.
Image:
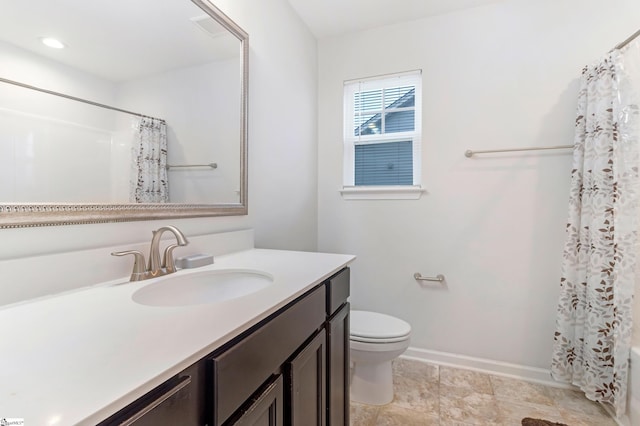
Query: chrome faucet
(156, 267)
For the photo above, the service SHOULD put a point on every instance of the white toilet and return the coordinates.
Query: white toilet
(375, 340)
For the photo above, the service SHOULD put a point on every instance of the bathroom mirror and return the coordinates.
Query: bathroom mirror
(78, 123)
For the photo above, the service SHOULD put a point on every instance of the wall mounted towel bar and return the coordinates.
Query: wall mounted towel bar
(418, 277)
(469, 153)
(177, 166)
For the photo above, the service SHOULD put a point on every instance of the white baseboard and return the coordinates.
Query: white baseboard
(498, 368)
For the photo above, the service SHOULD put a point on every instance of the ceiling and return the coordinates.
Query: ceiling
(99, 34)
(327, 18)
(151, 37)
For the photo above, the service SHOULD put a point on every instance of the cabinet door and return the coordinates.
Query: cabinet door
(338, 368)
(306, 374)
(267, 410)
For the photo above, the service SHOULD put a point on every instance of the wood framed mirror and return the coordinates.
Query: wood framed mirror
(71, 119)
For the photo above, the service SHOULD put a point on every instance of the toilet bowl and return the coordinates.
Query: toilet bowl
(375, 340)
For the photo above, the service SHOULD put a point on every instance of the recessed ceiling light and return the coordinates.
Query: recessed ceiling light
(52, 42)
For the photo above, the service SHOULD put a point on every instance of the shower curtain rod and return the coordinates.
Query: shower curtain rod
(73, 98)
(628, 40)
(468, 153)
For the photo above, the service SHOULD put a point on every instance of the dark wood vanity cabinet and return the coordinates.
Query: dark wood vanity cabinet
(250, 360)
(338, 349)
(291, 369)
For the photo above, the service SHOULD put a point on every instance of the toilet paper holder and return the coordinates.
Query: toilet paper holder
(438, 278)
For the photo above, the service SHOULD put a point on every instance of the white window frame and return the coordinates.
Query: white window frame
(351, 87)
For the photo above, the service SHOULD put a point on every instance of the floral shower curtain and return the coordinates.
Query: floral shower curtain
(594, 321)
(150, 183)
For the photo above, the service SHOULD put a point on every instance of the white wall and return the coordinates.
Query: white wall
(282, 163)
(500, 76)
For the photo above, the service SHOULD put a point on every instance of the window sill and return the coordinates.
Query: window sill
(382, 192)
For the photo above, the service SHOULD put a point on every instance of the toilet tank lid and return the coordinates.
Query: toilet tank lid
(377, 325)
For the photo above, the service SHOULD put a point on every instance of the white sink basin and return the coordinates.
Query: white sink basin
(196, 288)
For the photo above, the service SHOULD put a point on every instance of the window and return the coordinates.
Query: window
(382, 130)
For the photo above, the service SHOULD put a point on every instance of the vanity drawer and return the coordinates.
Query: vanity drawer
(178, 401)
(244, 367)
(337, 291)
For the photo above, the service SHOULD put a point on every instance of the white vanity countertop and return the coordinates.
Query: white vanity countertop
(77, 358)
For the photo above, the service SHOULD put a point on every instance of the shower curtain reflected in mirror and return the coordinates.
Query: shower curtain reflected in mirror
(594, 322)
(149, 183)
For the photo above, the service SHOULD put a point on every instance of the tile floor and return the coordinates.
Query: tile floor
(427, 394)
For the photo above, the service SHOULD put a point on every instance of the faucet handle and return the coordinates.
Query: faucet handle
(168, 262)
(139, 271)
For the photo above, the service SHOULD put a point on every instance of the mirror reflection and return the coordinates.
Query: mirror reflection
(136, 102)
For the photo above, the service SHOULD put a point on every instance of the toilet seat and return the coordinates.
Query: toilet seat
(379, 341)
(374, 327)
(400, 345)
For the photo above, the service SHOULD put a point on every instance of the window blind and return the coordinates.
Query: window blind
(389, 163)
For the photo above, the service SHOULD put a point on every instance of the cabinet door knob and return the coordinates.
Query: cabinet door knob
(139, 270)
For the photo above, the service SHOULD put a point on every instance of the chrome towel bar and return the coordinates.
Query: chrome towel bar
(177, 166)
(418, 277)
(469, 153)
